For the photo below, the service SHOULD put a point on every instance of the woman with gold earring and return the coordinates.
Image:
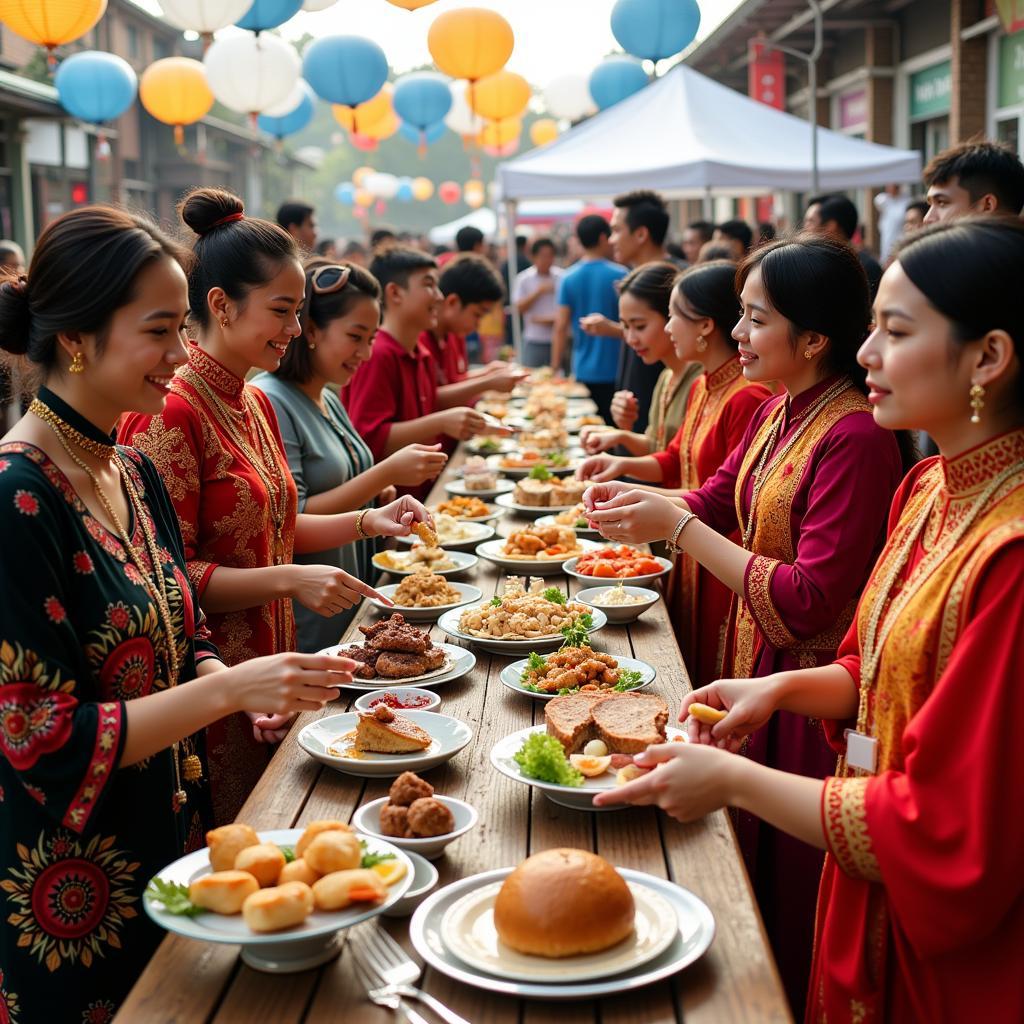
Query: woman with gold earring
(107, 673)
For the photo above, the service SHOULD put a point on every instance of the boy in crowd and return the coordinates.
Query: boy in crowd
(695, 235)
(736, 235)
(534, 294)
(299, 220)
(974, 177)
(836, 217)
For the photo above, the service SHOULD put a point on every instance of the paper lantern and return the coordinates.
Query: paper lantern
(251, 73)
(426, 137)
(365, 115)
(318, 5)
(345, 193)
(175, 90)
(503, 94)
(404, 193)
(96, 87)
(264, 14)
(292, 114)
(51, 23)
(384, 128)
(204, 16)
(500, 152)
(363, 143)
(470, 43)
(461, 118)
(569, 97)
(543, 131)
(654, 29)
(411, 5)
(449, 192)
(345, 69)
(422, 99)
(614, 79)
(500, 133)
(422, 189)
(474, 194)
(360, 174)
(381, 185)
(364, 198)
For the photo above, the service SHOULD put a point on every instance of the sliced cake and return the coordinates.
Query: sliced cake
(532, 492)
(568, 491)
(385, 732)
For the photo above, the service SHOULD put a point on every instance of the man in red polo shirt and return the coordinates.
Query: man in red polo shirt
(393, 398)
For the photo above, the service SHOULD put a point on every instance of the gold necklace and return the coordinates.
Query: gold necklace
(156, 589)
(762, 472)
(49, 417)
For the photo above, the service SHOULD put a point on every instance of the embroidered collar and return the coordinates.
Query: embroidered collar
(74, 418)
(970, 471)
(724, 375)
(797, 404)
(218, 376)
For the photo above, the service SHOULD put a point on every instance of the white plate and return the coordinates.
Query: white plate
(581, 531)
(424, 879)
(574, 406)
(364, 702)
(449, 622)
(618, 613)
(696, 932)
(574, 463)
(458, 662)
(463, 560)
(367, 819)
(579, 798)
(633, 581)
(468, 593)
(490, 549)
(476, 533)
(297, 949)
(505, 444)
(493, 512)
(448, 737)
(458, 487)
(507, 501)
(468, 931)
(510, 676)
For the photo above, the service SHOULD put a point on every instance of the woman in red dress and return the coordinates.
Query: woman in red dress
(219, 450)
(921, 905)
(718, 410)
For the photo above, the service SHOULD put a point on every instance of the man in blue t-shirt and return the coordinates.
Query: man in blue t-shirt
(589, 287)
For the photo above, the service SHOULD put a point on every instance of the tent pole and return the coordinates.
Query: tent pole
(708, 210)
(513, 265)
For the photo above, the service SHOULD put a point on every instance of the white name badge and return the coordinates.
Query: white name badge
(861, 751)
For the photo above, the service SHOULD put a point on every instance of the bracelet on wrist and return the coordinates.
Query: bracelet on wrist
(684, 519)
(361, 533)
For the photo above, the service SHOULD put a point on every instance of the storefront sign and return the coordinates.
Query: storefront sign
(931, 90)
(1011, 70)
(1011, 14)
(766, 78)
(853, 109)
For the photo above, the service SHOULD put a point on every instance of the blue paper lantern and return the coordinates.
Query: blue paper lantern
(422, 98)
(404, 193)
(266, 14)
(295, 120)
(654, 29)
(95, 86)
(345, 69)
(614, 79)
(428, 135)
(345, 193)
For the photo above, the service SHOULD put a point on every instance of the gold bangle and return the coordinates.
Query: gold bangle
(680, 526)
(361, 534)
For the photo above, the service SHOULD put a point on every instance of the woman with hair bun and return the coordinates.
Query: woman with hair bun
(719, 407)
(107, 672)
(919, 912)
(807, 489)
(220, 452)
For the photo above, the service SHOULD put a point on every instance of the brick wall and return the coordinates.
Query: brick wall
(970, 70)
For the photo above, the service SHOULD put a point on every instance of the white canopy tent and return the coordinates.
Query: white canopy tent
(486, 220)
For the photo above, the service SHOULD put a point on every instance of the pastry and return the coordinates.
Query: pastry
(226, 842)
(263, 861)
(282, 906)
(314, 828)
(223, 892)
(298, 871)
(342, 888)
(333, 851)
(384, 732)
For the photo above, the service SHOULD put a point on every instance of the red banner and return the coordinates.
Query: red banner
(766, 79)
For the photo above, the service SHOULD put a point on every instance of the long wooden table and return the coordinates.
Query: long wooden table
(189, 981)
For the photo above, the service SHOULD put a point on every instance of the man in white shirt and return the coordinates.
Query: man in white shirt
(534, 294)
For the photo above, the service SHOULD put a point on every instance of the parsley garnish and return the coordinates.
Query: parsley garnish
(495, 602)
(540, 473)
(289, 853)
(558, 459)
(554, 595)
(369, 859)
(577, 634)
(173, 896)
(629, 679)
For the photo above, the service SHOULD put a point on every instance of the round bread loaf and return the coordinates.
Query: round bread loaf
(563, 902)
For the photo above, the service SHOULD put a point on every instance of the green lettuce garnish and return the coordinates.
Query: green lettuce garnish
(540, 473)
(173, 896)
(495, 602)
(629, 679)
(558, 459)
(541, 757)
(577, 634)
(554, 595)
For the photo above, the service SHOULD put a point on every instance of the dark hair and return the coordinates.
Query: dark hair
(542, 243)
(472, 279)
(981, 168)
(232, 252)
(714, 252)
(521, 241)
(738, 230)
(293, 212)
(645, 209)
(652, 284)
(468, 238)
(591, 229)
(675, 250)
(84, 269)
(704, 228)
(354, 248)
(836, 208)
(766, 232)
(710, 290)
(380, 236)
(921, 205)
(394, 263)
(323, 245)
(322, 309)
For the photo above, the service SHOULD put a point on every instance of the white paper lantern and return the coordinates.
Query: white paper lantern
(569, 96)
(461, 118)
(318, 5)
(204, 16)
(290, 102)
(382, 185)
(250, 73)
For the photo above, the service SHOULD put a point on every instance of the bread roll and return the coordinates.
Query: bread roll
(281, 906)
(333, 851)
(563, 903)
(223, 892)
(341, 888)
(263, 861)
(314, 828)
(226, 842)
(297, 871)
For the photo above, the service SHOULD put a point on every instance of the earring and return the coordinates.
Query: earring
(224, 323)
(977, 402)
(311, 345)
(702, 344)
(77, 363)
(808, 354)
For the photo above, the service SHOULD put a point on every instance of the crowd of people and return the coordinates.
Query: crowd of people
(223, 431)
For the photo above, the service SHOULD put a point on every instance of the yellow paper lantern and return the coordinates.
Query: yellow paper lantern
(503, 94)
(364, 199)
(422, 189)
(360, 174)
(51, 23)
(383, 129)
(470, 43)
(474, 194)
(543, 131)
(367, 114)
(174, 90)
(500, 133)
(411, 5)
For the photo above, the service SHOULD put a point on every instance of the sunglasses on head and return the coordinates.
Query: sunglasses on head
(329, 279)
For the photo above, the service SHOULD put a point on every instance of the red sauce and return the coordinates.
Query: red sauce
(392, 700)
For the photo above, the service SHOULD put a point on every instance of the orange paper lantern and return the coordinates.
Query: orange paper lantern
(470, 43)
(174, 90)
(422, 189)
(411, 5)
(366, 115)
(51, 23)
(543, 131)
(360, 174)
(364, 199)
(503, 94)
(382, 129)
(500, 133)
